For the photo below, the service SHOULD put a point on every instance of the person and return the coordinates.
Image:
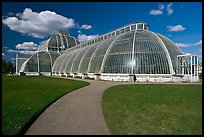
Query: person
(11, 71)
(134, 78)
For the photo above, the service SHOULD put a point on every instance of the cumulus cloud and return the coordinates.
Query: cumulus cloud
(27, 46)
(189, 45)
(85, 26)
(84, 38)
(156, 12)
(38, 25)
(161, 6)
(176, 28)
(169, 9)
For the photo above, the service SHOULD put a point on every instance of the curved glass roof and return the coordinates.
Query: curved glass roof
(133, 52)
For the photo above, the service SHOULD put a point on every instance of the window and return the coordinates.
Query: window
(127, 29)
(109, 35)
(139, 26)
(117, 32)
(113, 34)
(145, 26)
(122, 31)
(133, 27)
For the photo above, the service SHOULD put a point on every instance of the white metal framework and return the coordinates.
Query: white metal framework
(188, 67)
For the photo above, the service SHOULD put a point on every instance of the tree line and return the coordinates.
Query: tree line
(7, 66)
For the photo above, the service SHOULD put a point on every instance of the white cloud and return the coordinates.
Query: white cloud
(85, 26)
(159, 11)
(39, 24)
(156, 12)
(29, 52)
(189, 45)
(199, 43)
(176, 28)
(161, 6)
(83, 37)
(79, 31)
(3, 54)
(11, 51)
(27, 46)
(169, 9)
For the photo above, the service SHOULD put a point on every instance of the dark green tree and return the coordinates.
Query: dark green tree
(10, 67)
(4, 65)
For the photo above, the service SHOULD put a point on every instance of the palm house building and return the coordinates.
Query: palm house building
(117, 56)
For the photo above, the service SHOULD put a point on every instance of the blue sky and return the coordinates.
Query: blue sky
(26, 24)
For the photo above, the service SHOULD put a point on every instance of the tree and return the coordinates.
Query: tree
(4, 65)
(10, 67)
(7, 66)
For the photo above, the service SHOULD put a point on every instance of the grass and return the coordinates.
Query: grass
(24, 98)
(156, 109)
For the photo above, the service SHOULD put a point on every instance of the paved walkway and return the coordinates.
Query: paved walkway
(79, 112)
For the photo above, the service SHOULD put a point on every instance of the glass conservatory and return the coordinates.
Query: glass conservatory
(119, 55)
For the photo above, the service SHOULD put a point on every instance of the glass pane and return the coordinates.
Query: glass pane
(139, 26)
(32, 64)
(133, 27)
(44, 62)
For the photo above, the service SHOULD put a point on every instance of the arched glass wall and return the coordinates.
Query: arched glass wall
(39, 62)
(149, 56)
(119, 58)
(132, 52)
(172, 49)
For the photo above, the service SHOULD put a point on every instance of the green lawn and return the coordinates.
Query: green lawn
(153, 109)
(24, 98)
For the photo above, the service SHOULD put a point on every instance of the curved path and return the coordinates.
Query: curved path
(78, 112)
